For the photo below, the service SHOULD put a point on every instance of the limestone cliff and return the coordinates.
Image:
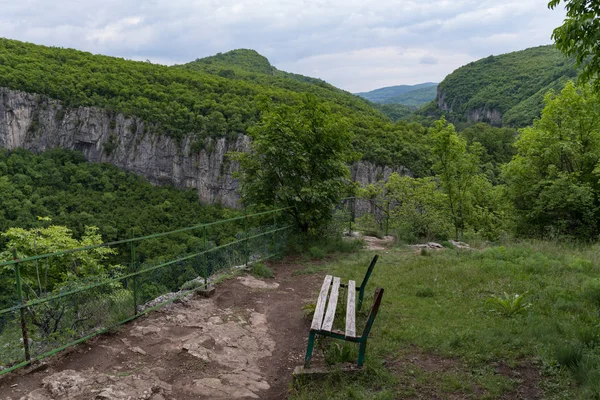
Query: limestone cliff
(37, 123)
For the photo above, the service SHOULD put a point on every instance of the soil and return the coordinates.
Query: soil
(244, 342)
(376, 244)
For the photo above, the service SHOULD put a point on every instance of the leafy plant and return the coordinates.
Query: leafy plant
(509, 305)
(260, 270)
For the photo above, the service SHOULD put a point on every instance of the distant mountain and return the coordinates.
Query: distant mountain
(504, 90)
(410, 95)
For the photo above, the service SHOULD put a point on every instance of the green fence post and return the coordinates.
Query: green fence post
(135, 277)
(246, 232)
(20, 295)
(205, 247)
(387, 219)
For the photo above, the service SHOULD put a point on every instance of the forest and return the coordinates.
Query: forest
(512, 84)
(217, 97)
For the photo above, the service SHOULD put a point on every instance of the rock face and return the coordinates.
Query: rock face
(36, 123)
(484, 114)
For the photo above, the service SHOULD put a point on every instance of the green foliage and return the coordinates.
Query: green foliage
(260, 270)
(75, 194)
(298, 159)
(578, 37)
(591, 291)
(214, 97)
(317, 252)
(192, 284)
(52, 274)
(503, 90)
(59, 274)
(414, 98)
(553, 179)
(419, 208)
(246, 59)
(498, 146)
(509, 306)
(396, 112)
(456, 170)
(410, 95)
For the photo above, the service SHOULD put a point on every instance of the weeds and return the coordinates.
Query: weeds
(509, 306)
(260, 270)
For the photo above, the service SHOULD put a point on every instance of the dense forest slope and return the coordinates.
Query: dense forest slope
(410, 95)
(504, 90)
(172, 124)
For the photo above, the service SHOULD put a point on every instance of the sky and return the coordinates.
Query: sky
(357, 45)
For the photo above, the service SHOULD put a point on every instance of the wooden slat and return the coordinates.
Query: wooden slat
(350, 313)
(320, 308)
(333, 298)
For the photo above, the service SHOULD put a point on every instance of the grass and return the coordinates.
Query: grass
(438, 307)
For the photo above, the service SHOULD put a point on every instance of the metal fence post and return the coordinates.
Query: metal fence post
(247, 235)
(387, 219)
(205, 247)
(135, 277)
(20, 295)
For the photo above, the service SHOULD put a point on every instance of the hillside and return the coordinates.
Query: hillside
(208, 98)
(504, 90)
(410, 95)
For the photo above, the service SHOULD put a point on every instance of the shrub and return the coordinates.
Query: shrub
(193, 284)
(316, 252)
(260, 270)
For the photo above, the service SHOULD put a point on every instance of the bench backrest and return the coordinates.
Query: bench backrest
(373, 312)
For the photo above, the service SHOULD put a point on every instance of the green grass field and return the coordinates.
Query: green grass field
(450, 325)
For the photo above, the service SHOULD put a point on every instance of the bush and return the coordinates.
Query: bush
(316, 252)
(260, 270)
(368, 225)
(193, 284)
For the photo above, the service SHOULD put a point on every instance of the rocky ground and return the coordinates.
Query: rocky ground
(244, 342)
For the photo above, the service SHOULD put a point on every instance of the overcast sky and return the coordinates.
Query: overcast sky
(356, 45)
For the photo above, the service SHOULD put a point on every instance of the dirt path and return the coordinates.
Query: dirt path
(242, 343)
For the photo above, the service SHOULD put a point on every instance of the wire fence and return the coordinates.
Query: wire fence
(41, 317)
(372, 217)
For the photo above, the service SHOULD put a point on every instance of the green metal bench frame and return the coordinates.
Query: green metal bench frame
(323, 320)
(363, 285)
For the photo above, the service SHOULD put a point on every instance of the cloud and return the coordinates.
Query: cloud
(428, 60)
(353, 44)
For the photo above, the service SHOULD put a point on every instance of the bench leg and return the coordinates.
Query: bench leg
(361, 353)
(309, 349)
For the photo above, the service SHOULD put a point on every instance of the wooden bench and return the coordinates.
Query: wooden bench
(322, 323)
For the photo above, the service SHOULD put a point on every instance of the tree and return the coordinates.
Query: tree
(299, 159)
(456, 169)
(553, 179)
(418, 207)
(579, 36)
(59, 273)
